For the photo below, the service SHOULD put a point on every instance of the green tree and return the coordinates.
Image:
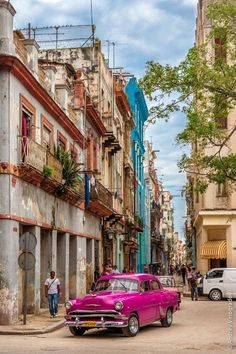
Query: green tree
(203, 87)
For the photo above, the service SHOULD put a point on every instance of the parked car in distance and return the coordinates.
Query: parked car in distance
(169, 284)
(220, 283)
(126, 301)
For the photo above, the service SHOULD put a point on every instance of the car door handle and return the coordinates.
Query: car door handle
(220, 281)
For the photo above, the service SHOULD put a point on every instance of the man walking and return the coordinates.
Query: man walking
(193, 285)
(52, 292)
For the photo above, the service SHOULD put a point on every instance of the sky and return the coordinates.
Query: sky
(142, 30)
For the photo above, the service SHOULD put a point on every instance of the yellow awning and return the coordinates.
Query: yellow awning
(214, 250)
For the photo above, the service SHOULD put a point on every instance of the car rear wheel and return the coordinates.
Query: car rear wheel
(215, 295)
(133, 327)
(76, 331)
(167, 321)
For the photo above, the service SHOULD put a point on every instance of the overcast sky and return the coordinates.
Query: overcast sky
(142, 30)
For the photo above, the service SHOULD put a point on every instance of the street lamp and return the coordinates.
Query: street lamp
(110, 233)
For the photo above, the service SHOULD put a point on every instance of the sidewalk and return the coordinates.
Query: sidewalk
(36, 324)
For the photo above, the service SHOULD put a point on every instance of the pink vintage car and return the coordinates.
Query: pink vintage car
(126, 301)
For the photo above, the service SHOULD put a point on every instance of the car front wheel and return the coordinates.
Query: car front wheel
(133, 327)
(167, 321)
(215, 295)
(76, 331)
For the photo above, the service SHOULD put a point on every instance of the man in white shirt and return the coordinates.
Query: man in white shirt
(52, 292)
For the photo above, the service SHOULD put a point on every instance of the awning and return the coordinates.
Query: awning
(214, 250)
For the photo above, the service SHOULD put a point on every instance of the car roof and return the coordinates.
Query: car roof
(134, 276)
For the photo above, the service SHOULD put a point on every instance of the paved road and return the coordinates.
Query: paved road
(199, 327)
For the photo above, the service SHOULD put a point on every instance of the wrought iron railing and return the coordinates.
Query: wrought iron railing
(101, 193)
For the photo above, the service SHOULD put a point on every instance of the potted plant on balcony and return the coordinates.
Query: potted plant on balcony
(47, 171)
(70, 171)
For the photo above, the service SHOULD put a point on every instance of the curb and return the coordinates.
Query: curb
(48, 329)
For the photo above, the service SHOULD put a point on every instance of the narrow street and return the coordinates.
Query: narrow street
(198, 327)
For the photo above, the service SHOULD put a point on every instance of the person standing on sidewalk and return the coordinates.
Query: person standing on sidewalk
(52, 292)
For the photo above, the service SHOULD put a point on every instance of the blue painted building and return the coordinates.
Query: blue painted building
(140, 113)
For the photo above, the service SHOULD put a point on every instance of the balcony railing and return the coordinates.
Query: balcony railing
(102, 194)
(38, 157)
(138, 222)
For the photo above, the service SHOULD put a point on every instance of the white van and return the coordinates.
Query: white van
(220, 283)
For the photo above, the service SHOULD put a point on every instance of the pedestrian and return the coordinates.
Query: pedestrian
(115, 270)
(132, 271)
(183, 273)
(125, 270)
(171, 269)
(193, 285)
(52, 292)
(189, 275)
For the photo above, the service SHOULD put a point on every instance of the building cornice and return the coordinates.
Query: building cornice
(20, 71)
(8, 6)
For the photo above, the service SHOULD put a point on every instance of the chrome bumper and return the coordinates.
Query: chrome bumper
(99, 324)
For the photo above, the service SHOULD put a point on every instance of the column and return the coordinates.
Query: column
(201, 236)
(54, 251)
(81, 266)
(37, 283)
(231, 244)
(63, 264)
(9, 251)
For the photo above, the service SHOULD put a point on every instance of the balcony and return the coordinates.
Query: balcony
(128, 164)
(40, 168)
(100, 200)
(139, 226)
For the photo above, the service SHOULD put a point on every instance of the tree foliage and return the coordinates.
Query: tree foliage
(203, 86)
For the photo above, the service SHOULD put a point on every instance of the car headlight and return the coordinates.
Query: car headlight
(119, 305)
(68, 305)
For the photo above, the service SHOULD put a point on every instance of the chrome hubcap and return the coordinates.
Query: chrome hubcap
(133, 325)
(169, 317)
(215, 295)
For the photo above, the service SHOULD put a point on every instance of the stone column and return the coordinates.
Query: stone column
(67, 262)
(37, 282)
(9, 251)
(81, 266)
(201, 236)
(7, 13)
(54, 250)
(63, 264)
(231, 244)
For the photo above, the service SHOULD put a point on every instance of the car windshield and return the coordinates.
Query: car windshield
(115, 284)
(166, 281)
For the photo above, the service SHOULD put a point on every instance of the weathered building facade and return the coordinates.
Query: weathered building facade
(210, 227)
(140, 114)
(35, 119)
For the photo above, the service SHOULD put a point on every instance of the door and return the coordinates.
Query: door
(229, 281)
(157, 299)
(214, 280)
(146, 310)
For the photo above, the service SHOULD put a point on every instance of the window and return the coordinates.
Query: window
(61, 141)
(47, 136)
(144, 286)
(28, 113)
(220, 48)
(74, 152)
(95, 154)
(155, 285)
(215, 274)
(221, 190)
(221, 111)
